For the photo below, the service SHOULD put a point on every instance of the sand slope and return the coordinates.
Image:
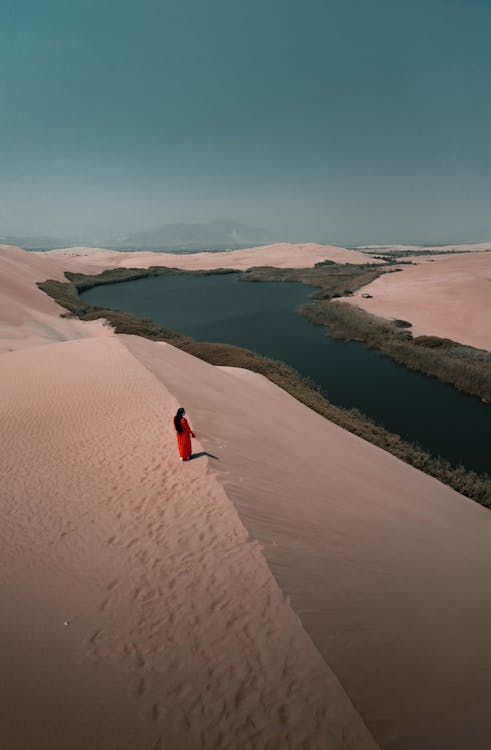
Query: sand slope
(389, 570)
(447, 296)
(28, 317)
(178, 635)
(216, 604)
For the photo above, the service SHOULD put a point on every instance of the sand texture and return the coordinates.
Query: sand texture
(170, 602)
(446, 295)
(388, 569)
(292, 587)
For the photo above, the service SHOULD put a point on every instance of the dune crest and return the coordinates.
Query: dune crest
(291, 587)
(147, 562)
(28, 317)
(138, 611)
(388, 569)
(280, 255)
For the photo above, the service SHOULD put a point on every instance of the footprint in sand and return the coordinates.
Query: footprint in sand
(140, 690)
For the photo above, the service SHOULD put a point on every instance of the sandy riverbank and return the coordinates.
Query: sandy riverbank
(445, 295)
(441, 295)
(243, 601)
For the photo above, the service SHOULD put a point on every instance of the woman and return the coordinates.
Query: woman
(183, 432)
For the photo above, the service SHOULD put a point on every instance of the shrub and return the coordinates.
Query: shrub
(433, 342)
(464, 481)
(402, 323)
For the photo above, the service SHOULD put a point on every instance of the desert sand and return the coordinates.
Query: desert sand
(444, 295)
(28, 317)
(440, 295)
(290, 587)
(281, 255)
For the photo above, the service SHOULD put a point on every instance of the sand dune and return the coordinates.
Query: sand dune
(388, 569)
(28, 317)
(447, 296)
(177, 634)
(291, 592)
(281, 255)
(441, 295)
(168, 598)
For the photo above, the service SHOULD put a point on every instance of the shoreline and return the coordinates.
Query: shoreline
(473, 485)
(288, 594)
(461, 366)
(447, 296)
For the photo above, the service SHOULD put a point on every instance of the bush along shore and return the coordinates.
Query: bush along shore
(466, 368)
(66, 294)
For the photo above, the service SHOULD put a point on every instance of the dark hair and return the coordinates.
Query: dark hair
(177, 419)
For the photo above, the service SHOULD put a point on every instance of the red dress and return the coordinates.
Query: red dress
(184, 439)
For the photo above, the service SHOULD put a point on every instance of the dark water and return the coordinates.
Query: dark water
(261, 316)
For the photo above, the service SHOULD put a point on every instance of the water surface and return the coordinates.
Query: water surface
(262, 316)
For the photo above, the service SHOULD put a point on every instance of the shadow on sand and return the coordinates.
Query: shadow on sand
(203, 453)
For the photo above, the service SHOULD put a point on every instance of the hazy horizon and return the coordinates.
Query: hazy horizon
(342, 121)
(132, 240)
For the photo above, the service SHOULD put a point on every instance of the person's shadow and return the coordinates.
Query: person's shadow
(203, 453)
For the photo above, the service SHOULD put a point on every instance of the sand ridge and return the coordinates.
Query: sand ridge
(388, 569)
(28, 317)
(280, 255)
(164, 591)
(243, 601)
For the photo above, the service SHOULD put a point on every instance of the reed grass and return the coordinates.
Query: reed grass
(469, 483)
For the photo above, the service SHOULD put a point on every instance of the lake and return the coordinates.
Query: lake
(263, 316)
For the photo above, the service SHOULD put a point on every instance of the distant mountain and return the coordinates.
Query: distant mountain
(34, 243)
(184, 236)
(212, 235)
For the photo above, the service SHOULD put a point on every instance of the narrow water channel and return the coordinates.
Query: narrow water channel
(262, 316)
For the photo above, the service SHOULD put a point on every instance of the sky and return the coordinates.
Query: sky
(345, 121)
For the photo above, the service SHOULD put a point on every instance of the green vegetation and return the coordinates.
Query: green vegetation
(402, 323)
(66, 294)
(331, 279)
(392, 255)
(464, 367)
(433, 342)
(82, 281)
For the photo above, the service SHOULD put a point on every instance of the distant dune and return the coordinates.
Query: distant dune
(291, 587)
(441, 295)
(475, 247)
(281, 255)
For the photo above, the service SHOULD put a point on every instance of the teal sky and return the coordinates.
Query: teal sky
(351, 121)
